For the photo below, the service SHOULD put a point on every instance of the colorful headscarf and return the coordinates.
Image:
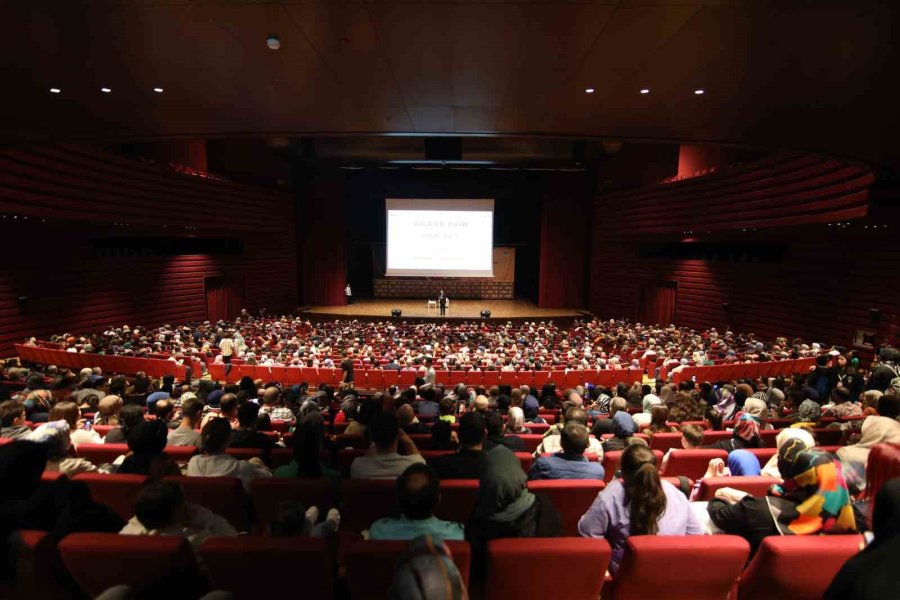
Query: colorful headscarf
(725, 402)
(746, 426)
(816, 495)
(603, 401)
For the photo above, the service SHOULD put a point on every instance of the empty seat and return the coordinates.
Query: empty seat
(269, 493)
(755, 486)
(691, 463)
(98, 561)
(223, 495)
(572, 498)
(117, 491)
(370, 565)
(796, 567)
(524, 568)
(252, 567)
(691, 567)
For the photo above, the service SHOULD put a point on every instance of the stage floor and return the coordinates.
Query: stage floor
(458, 309)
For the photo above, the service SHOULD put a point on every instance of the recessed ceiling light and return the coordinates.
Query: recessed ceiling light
(698, 92)
(55, 90)
(645, 91)
(273, 42)
(158, 90)
(105, 90)
(589, 91)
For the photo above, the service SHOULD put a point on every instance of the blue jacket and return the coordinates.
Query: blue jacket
(560, 467)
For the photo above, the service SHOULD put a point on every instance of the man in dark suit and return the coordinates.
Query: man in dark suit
(442, 302)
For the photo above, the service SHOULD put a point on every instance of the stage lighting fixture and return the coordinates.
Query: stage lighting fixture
(396, 312)
(485, 314)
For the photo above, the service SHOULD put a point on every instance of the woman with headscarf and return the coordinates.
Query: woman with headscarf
(55, 435)
(808, 415)
(744, 435)
(813, 499)
(875, 430)
(146, 456)
(802, 435)
(623, 430)
(757, 407)
(872, 574)
(504, 507)
(740, 463)
(644, 418)
(725, 403)
(515, 422)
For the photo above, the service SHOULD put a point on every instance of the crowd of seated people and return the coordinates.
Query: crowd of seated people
(813, 491)
(595, 344)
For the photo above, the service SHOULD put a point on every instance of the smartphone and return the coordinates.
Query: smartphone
(88, 425)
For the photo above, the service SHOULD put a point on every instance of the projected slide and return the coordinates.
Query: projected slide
(440, 238)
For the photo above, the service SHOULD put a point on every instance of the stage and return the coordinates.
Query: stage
(417, 309)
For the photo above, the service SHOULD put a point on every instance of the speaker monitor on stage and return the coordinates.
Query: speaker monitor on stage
(485, 314)
(396, 312)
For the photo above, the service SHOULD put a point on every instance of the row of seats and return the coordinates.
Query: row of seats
(250, 567)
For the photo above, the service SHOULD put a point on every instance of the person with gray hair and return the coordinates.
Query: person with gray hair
(605, 425)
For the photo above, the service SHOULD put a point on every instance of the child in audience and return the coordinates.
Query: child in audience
(691, 439)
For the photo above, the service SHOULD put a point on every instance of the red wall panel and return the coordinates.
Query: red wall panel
(823, 287)
(74, 194)
(564, 221)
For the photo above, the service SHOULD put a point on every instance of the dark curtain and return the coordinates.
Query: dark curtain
(564, 220)
(223, 298)
(323, 235)
(657, 304)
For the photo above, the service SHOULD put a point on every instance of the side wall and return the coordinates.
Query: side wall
(53, 280)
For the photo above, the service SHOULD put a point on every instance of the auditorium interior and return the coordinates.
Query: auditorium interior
(447, 299)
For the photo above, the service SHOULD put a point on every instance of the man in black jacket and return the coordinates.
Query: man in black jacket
(468, 461)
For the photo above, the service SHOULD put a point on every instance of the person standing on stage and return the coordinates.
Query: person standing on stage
(348, 293)
(442, 302)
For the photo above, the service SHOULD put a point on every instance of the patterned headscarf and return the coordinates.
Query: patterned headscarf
(725, 402)
(603, 401)
(809, 411)
(814, 486)
(746, 426)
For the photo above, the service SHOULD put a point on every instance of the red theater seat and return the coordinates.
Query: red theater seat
(116, 491)
(796, 567)
(664, 441)
(572, 498)
(98, 561)
(366, 501)
(370, 565)
(181, 454)
(712, 437)
(224, 496)
(39, 570)
(457, 499)
(531, 441)
(755, 486)
(611, 463)
(767, 437)
(100, 454)
(669, 567)
(269, 493)
(527, 568)
(763, 454)
(526, 459)
(691, 463)
(252, 567)
(490, 378)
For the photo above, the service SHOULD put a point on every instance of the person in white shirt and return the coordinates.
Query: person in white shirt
(349, 294)
(551, 444)
(78, 435)
(386, 463)
(215, 463)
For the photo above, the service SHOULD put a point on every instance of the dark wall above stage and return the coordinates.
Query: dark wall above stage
(354, 199)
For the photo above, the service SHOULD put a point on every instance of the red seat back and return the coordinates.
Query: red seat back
(572, 498)
(767, 438)
(763, 454)
(116, 491)
(490, 378)
(664, 441)
(797, 567)
(101, 453)
(755, 486)
(526, 459)
(531, 441)
(370, 565)
(711, 437)
(366, 501)
(691, 463)
(98, 561)
(268, 494)
(181, 454)
(286, 561)
(611, 463)
(224, 496)
(522, 568)
(656, 566)
(457, 499)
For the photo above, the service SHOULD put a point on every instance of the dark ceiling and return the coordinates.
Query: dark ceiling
(802, 75)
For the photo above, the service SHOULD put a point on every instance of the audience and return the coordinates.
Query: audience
(744, 435)
(246, 434)
(427, 572)
(623, 432)
(12, 420)
(468, 461)
(386, 462)
(418, 493)
(108, 410)
(875, 430)
(186, 433)
(129, 418)
(146, 456)
(659, 416)
(552, 443)
(68, 412)
(515, 422)
(214, 462)
(493, 421)
(570, 463)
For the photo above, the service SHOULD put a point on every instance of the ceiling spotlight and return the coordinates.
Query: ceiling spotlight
(645, 91)
(698, 92)
(158, 90)
(273, 42)
(105, 90)
(589, 91)
(55, 90)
